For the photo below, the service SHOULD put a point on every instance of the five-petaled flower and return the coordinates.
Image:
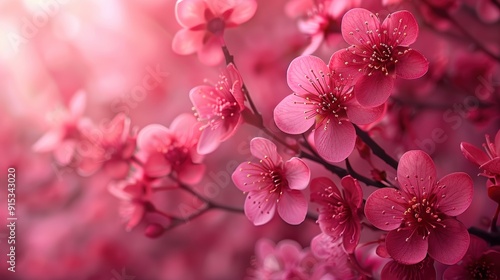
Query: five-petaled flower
(272, 184)
(325, 97)
(204, 22)
(339, 215)
(379, 53)
(480, 262)
(219, 107)
(419, 215)
(163, 151)
(488, 161)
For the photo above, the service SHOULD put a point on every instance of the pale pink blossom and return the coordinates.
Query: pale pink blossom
(285, 260)
(379, 53)
(339, 211)
(324, 97)
(204, 22)
(420, 214)
(272, 184)
(164, 151)
(220, 108)
(320, 19)
(135, 194)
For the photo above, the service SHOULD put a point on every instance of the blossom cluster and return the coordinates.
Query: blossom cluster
(343, 131)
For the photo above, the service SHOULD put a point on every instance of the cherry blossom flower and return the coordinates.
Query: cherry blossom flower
(488, 161)
(421, 270)
(480, 262)
(286, 260)
(135, 194)
(321, 20)
(165, 150)
(110, 146)
(272, 184)
(325, 97)
(204, 22)
(66, 140)
(419, 215)
(339, 215)
(333, 262)
(219, 107)
(379, 53)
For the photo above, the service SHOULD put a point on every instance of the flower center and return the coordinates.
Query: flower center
(422, 215)
(332, 93)
(481, 269)
(216, 25)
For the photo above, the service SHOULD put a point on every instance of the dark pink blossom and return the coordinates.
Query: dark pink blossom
(421, 270)
(339, 217)
(164, 151)
(272, 183)
(204, 22)
(419, 215)
(480, 262)
(379, 53)
(488, 161)
(219, 107)
(325, 98)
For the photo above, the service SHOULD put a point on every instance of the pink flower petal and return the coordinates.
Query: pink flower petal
(64, 152)
(153, 136)
(488, 11)
(497, 141)
(117, 130)
(77, 104)
(316, 41)
(190, 173)
(190, 13)
(243, 10)
(157, 165)
(262, 148)
(352, 190)
(374, 90)
(477, 247)
(379, 211)
(363, 115)
(203, 97)
(247, 177)
(234, 75)
(289, 115)
(49, 141)
(186, 128)
(186, 41)
(411, 65)
(210, 139)
(448, 244)
(407, 28)
(355, 24)
(292, 207)
(211, 53)
(260, 207)
(319, 187)
(334, 141)
(405, 246)
(351, 235)
(299, 73)
(297, 174)
(414, 166)
(422, 270)
(473, 154)
(456, 272)
(456, 196)
(347, 63)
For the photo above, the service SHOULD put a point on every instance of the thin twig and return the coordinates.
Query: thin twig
(377, 150)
